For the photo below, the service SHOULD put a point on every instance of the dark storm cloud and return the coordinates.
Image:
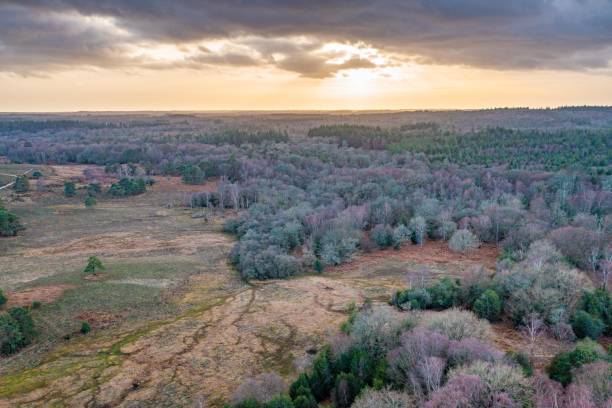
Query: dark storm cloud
(518, 34)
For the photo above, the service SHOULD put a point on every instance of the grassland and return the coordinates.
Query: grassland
(172, 322)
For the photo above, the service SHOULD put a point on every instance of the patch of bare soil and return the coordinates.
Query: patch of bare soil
(125, 242)
(166, 184)
(98, 320)
(44, 294)
(430, 253)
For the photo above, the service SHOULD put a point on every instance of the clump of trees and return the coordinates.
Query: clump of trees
(9, 222)
(16, 330)
(127, 187)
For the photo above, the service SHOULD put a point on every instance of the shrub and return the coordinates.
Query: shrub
(586, 325)
(488, 306)
(401, 235)
(370, 398)
(463, 241)
(522, 360)
(69, 189)
(412, 299)
(444, 293)
(382, 236)
(458, 324)
(90, 201)
(85, 328)
(2, 298)
(36, 304)
(261, 388)
(22, 184)
(299, 386)
(585, 352)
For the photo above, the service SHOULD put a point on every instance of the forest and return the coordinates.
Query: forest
(302, 199)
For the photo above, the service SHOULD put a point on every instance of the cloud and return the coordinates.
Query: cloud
(290, 34)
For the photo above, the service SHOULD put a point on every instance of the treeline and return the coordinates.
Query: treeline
(516, 149)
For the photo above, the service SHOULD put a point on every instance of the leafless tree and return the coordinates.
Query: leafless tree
(532, 329)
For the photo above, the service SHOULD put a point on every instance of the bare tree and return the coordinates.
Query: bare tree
(532, 330)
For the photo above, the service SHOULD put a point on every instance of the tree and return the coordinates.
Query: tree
(85, 328)
(69, 189)
(9, 223)
(383, 399)
(463, 241)
(93, 265)
(2, 298)
(346, 390)
(418, 226)
(22, 184)
(488, 306)
(587, 325)
(532, 329)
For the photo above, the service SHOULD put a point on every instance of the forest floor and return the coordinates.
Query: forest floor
(173, 324)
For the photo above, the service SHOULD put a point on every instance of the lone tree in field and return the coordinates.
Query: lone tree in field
(22, 184)
(93, 265)
(69, 189)
(463, 241)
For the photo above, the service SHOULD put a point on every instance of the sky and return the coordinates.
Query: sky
(72, 55)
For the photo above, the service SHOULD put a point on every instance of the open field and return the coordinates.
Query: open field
(172, 322)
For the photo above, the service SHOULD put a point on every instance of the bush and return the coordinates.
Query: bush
(69, 189)
(459, 324)
(36, 304)
(463, 241)
(85, 328)
(401, 235)
(586, 325)
(488, 306)
(22, 184)
(522, 360)
(2, 298)
(444, 293)
(412, 299)
(382, 236)
(585, 352)
(90, 201)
